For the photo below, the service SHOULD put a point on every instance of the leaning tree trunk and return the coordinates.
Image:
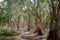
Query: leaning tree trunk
(54, 23)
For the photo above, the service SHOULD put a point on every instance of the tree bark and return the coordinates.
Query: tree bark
(38, 20)
(18, 22)
(29, 22)
(54, 23)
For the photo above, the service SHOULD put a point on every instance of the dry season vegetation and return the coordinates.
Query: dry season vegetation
(29, 19)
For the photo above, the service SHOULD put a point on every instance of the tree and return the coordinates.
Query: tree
(54, 23)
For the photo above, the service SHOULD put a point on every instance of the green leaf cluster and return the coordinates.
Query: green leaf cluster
(4, 17)
(7, 32)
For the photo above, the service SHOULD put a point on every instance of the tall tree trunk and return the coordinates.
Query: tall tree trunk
(58, 11)
(54, 23)
(38, 20)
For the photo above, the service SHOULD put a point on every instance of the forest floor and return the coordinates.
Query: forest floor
(32, 37)
(27, 35)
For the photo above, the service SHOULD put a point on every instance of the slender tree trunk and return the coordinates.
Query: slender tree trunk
(18, 22)
(29, 22)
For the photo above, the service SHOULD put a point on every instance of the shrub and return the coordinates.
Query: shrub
(8, 32)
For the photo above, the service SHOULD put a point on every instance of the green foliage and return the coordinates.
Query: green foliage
(7, 32)
(46, 19)
(4, 17)
(42, 0)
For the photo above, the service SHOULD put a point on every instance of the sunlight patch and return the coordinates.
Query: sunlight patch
(1, 0)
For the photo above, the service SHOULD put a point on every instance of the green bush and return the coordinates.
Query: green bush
(8, 32)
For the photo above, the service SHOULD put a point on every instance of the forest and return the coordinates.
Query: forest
(29, 19)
